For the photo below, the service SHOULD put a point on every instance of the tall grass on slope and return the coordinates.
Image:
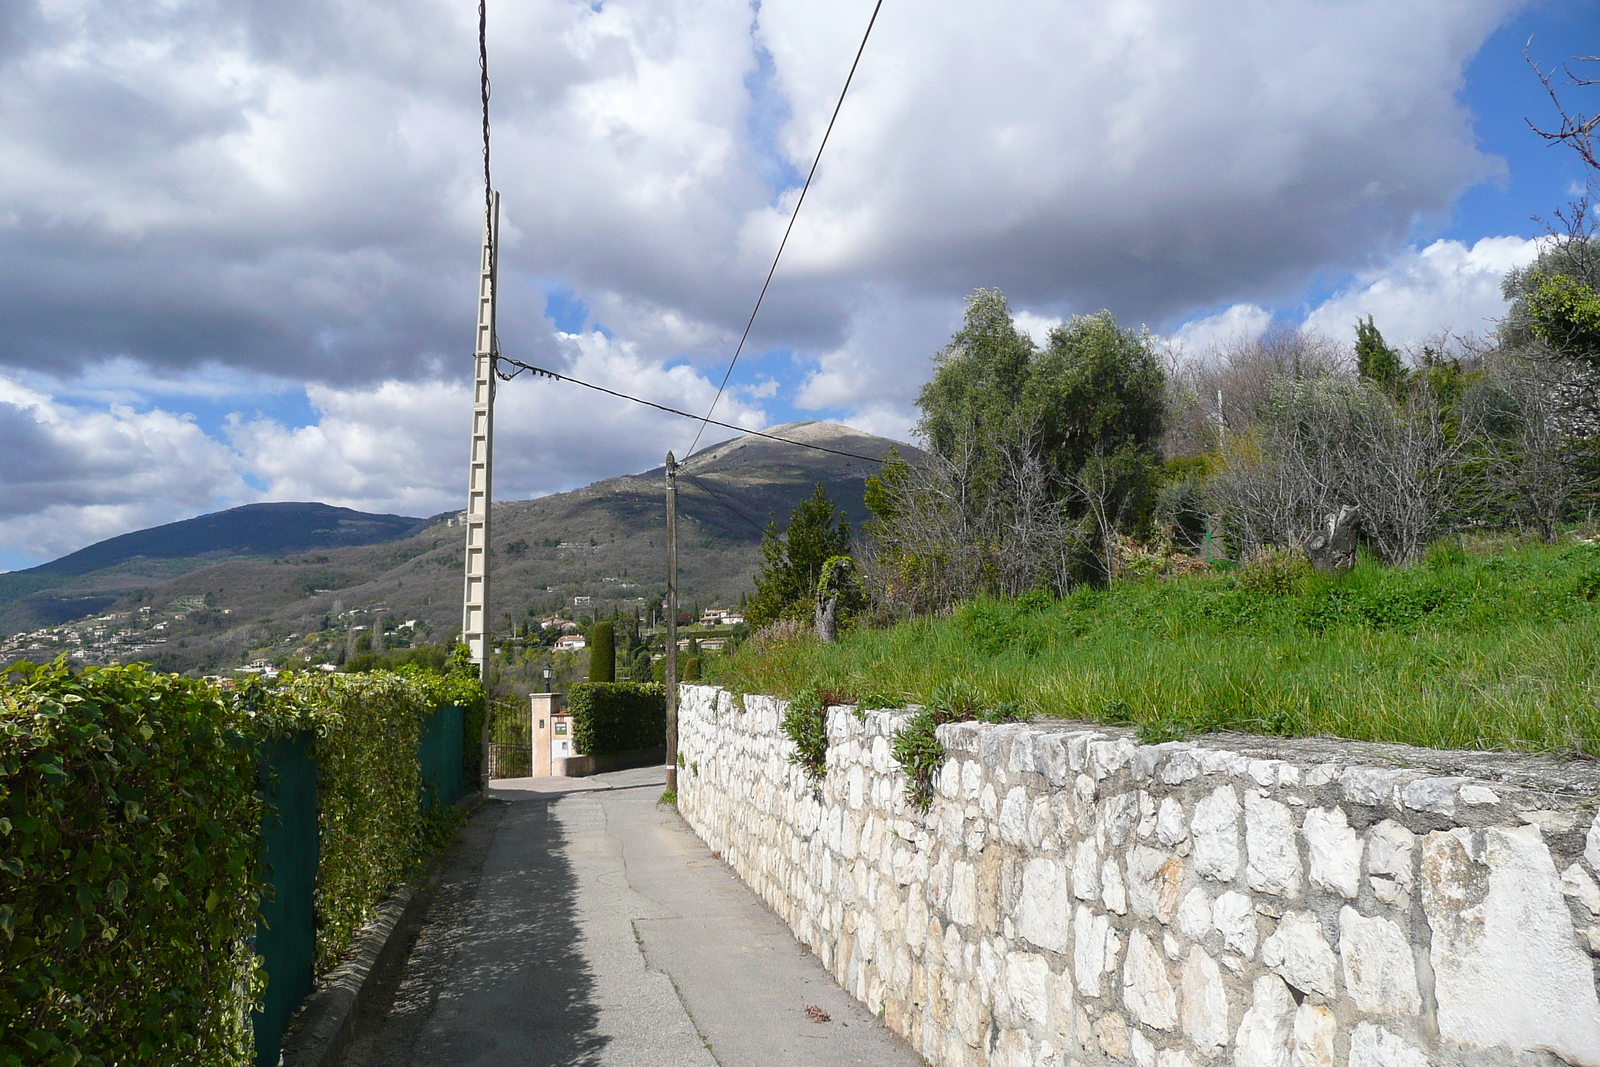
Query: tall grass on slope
(1494, 648)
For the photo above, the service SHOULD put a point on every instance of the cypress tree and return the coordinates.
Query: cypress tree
(1375, 360)
(603, 652)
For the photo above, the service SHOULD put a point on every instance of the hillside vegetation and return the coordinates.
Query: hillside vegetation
(1484, 644)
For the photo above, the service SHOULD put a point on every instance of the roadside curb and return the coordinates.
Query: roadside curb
(324, 1025)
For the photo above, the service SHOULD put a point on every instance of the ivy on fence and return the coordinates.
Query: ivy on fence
(130, 847)
(129, 830)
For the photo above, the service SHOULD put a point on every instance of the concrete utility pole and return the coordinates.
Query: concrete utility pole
(672, 624)
(480, 464)
(480, 471)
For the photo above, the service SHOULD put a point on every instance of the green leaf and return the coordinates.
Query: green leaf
(6, 914)
(212, 900)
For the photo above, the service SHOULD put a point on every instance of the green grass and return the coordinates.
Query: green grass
(1492, 645)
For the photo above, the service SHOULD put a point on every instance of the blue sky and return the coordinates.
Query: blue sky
(238, 244)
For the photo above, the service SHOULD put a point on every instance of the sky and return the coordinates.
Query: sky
(238, 240)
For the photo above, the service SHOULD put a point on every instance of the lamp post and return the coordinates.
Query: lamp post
(547, 678)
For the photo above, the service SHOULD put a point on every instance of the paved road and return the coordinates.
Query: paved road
(580, 922)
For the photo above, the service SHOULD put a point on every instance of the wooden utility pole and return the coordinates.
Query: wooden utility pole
(480, 468)
(672, 624)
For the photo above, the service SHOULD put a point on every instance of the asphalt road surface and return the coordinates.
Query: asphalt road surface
(580, 922)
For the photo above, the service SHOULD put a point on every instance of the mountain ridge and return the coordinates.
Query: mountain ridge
(604, 540)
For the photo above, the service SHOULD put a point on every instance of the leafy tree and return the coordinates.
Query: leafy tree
(1376, 361)
(1095, 388)
(603, 652)
(792, 562)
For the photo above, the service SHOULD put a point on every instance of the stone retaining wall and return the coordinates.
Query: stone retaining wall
(1076, 897)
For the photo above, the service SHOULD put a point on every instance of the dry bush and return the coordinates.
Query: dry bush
(1223, 390)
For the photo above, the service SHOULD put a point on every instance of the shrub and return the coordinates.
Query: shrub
(617, 716)
(1273, 571)
(129, 882)
(806, 724)
(917, 747)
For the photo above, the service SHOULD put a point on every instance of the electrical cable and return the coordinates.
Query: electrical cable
(546, 373)
(787, 230)
(483, 92)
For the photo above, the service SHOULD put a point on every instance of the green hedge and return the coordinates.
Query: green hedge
(129, 829)
(130, 848)
(617, 716)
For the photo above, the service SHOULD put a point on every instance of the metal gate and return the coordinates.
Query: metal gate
(510, 740)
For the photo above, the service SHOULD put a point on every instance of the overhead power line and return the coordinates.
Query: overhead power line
(787, 230)
(483, 91)
(546, 373)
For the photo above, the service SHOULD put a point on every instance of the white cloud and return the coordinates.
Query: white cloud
(401, 446)
(73, 476)
(1446, 286)
(1241, 322)
(289, 193)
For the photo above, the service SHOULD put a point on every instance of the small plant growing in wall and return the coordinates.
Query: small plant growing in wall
(917, 747)
(806, 724)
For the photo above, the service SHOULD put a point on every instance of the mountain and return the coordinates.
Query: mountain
(605, 541)
(106, 570)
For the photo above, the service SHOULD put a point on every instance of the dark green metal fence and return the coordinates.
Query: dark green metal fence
(439, 756)
(286, 936)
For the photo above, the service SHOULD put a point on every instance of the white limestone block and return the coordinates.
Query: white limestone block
(1170, 825)
(1118, 814)
(1508, 970)
(1235, 917)
(1194, 914)
(950, 779)
(916, 918)
(1380, 974)
(1263, 1036)
(1371, 786)
(1173, 1057)
(1181, 765)
(1112, 1032)
(1094, 949)
(1014, 817)
(1300, 954)
(1205, 1001)
(1373, 1046)
(1022, 761)
(1041, 823)
(1273, 854)
(988, 801)
(1577, 884)
(1147, 988)
(1215, 831)
(1591, 843)
(1028, 986)
(1311, 1036)
(1112, 892)
(1390, 862)
(1086, 871)
(963, 907)
(1335, 850)
(1437, 795)
(1475, 795)
(1140, 1048)
(1147, 816)
(1051, 756)
(1155, 879)
(1044, 908)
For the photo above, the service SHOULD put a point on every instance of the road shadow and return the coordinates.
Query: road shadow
(496, 974)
